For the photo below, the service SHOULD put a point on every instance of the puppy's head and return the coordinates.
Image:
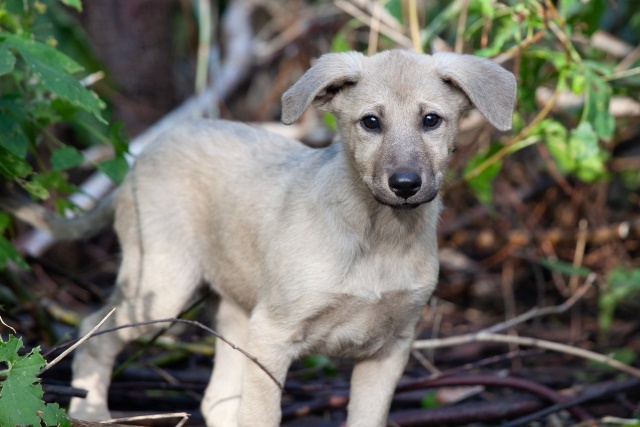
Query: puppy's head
(398, 113)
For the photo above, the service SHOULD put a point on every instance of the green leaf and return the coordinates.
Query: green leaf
(482, 184)
(430, 401)
(12, 166)
(7, 60)
(507, 34)
(9, 253)
(395, 9)
(317, 361)
(555, 137)
(55, 180)
(622, 284)
(340, 43)
(119, 139)
(624, 281)
(20, 398)
(65, 158)
(76, 4)
(21, 393)
(54, 416)
(65, 86)
(42, 53)
(116, 169)
(329, 121)
(53, 69)
(589, 157)
(596, 109)
(564, 268)
(36, 189)
(623, 355)
(5, 221)
(578, 83)
(12, 136)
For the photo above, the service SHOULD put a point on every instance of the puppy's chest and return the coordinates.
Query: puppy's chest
(354, 326)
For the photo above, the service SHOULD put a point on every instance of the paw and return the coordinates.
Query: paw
(80, 409)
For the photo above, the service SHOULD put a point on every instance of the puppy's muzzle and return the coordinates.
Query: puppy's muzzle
(405, 183)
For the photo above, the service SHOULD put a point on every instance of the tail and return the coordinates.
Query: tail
(79, 227)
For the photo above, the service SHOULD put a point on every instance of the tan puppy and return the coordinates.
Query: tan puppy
(312, 250)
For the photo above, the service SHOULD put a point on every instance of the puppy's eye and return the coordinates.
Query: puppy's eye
(371, 122)
(431, 121)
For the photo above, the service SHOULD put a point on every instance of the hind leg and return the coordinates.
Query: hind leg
(222, 397)
(156, 287)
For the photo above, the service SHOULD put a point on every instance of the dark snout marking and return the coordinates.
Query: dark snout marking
(405, 183)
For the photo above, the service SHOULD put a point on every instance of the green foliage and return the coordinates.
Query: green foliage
(21, 393)
(622, 355)
(482, 183)
(430, 401)
(40, 89)
(622, 285)
(320, 363)
(564, 268)
(547, 55)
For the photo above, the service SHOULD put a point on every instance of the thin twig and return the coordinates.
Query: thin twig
(573, 280)
(2, 321)
(622, 74)
(183, 415)
(462, 21)
(374, 29)
(530, 342)
(414, 26)
(91, 333)
(544, 311)
(515, 50)
(490, 335)
(193, 323)
(361, 16)
(517, 142)
(204, 44)
(590, 394)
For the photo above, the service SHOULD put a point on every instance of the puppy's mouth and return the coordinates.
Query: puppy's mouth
(384, 195)
(403, 205)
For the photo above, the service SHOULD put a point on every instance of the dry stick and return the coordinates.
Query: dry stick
(201, 326)
(361, 16)
(530, 342)
(462, 20)
(495, 381)
(374, 29)
(516, 50)
(573, 280)
(204, 44)
(591, 394)
(2, 321)
(515, 141)
(80, 341)
(414, 26)
(183, 415)
(489, 335)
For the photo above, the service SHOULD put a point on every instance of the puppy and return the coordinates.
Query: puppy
(327, 251)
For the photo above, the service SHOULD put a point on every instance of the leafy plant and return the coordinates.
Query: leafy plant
(622, 284)
(21, 393)
(539, 37)
(39, 90)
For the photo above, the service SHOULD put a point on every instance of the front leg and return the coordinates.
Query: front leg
(373, 383)
(260, 402)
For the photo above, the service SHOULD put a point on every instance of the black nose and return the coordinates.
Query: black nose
(405, 184)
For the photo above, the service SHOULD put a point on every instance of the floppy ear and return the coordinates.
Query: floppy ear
(491, 88)
(320, 84)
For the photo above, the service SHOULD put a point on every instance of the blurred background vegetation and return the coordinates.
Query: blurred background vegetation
(533, 216)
